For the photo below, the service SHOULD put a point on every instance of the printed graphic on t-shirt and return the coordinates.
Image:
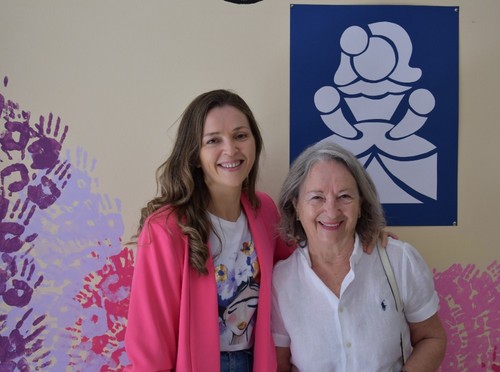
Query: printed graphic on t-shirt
(238, 278)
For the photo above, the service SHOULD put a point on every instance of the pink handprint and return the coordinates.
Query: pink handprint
(49, 190)
(468, 309)
(45, 150)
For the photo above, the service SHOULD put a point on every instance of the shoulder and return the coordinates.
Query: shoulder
(409, 264)
(289, 265)
(403, 251)
(162, 224)
(163, 217)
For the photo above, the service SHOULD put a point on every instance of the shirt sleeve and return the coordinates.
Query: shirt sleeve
(153, 319)
(419, 295)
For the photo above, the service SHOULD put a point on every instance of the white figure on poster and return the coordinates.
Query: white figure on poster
(372, 81)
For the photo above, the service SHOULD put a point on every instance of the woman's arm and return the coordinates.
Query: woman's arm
(283, 355)
(428, 339)
(154, 308)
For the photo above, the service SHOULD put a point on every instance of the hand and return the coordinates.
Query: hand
(384, 238)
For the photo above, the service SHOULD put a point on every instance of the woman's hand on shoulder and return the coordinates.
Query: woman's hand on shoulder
(384, 239)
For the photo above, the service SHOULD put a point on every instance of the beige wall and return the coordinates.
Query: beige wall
(119, 74)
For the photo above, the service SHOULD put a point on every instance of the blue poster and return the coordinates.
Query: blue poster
(382, 81)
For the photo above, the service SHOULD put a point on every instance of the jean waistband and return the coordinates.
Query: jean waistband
(245, 351)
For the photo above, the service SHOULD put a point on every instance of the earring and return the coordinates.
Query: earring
(297, 218)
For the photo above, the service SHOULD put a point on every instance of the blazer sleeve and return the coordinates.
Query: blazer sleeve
(151, 338)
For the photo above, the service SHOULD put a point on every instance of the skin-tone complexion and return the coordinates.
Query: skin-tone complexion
(328, 208)
(226, 157)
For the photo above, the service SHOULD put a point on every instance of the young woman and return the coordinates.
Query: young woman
(206, 250)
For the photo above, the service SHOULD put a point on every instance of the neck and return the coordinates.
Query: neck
(331, 264)
(226, 206)
(332, 253)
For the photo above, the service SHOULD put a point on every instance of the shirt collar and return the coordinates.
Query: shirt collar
(355, 256)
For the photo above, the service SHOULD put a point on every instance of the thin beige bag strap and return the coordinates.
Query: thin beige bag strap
(389, 273)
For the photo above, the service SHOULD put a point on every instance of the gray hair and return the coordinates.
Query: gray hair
(372, 218)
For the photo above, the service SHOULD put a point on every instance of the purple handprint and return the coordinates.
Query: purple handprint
(19, 344)
(45, 150)
(21, 292)
(49, 190)
(15, 137)
(19, 295)
(18, 183)
(10, 237)
(11, 232)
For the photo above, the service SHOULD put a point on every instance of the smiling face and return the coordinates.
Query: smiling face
(329, 205)
(228, 149)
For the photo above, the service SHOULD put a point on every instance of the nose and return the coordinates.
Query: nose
(230, 147)
(332, 206)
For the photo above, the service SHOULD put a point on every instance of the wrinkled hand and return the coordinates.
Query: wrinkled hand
(384, 238)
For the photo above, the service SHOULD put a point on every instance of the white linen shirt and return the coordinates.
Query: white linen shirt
(360, 331)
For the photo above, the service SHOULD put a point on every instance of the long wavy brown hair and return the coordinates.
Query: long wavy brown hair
(180, 181)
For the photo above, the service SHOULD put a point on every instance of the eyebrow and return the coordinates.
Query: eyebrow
(234, 130)
(347, 189)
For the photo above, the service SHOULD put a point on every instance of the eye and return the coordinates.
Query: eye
(241, 136)
(346, 198)
(212, 141)
(316, 198)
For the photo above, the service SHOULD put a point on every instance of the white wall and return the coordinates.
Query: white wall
(119, 74)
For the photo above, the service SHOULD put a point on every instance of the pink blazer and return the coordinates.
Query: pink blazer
(173, 318)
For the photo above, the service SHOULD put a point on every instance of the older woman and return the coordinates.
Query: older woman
(333, 307)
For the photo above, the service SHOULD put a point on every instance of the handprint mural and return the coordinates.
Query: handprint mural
(64, 274)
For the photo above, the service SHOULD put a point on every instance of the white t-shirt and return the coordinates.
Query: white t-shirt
(360, 331)
(237, 276)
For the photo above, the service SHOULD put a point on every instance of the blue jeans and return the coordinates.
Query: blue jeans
(236, 361)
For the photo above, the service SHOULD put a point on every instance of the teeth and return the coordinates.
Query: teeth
(230, 165)
(330, 224)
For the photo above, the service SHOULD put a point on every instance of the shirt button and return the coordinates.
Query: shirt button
(348, 345)
(341, 309)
